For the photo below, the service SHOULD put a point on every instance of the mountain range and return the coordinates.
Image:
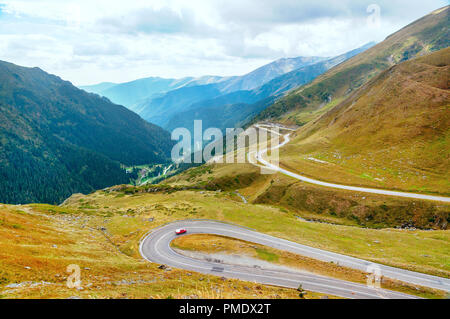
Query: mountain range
(131, 94)
(236, 108)
(219, 102)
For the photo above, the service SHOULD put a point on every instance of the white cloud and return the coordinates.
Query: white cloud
(88, 41)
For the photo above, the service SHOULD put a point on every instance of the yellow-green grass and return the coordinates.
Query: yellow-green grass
(211, 244)
(311, 113)
(38, 243)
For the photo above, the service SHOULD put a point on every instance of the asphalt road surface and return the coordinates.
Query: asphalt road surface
(155, 247)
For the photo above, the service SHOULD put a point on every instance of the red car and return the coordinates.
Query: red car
(180, 231)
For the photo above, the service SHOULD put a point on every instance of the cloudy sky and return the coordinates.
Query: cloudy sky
(91, 41)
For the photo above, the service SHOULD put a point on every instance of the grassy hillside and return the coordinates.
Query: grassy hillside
(315, 203)
(132, 209)
(56, 140)
(428, 34)
(38, 243)
(393, 133)
(100, 233)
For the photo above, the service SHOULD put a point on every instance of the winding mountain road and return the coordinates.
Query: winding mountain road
(155, 247)
(266, 164)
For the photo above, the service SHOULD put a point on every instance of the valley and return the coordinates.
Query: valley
(152, 174)
(343, 183)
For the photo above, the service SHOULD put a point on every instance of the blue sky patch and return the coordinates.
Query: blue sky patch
(3, 12)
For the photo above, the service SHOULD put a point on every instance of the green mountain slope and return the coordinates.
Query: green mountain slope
(56, 139)
(428, 34)
(392, 133)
